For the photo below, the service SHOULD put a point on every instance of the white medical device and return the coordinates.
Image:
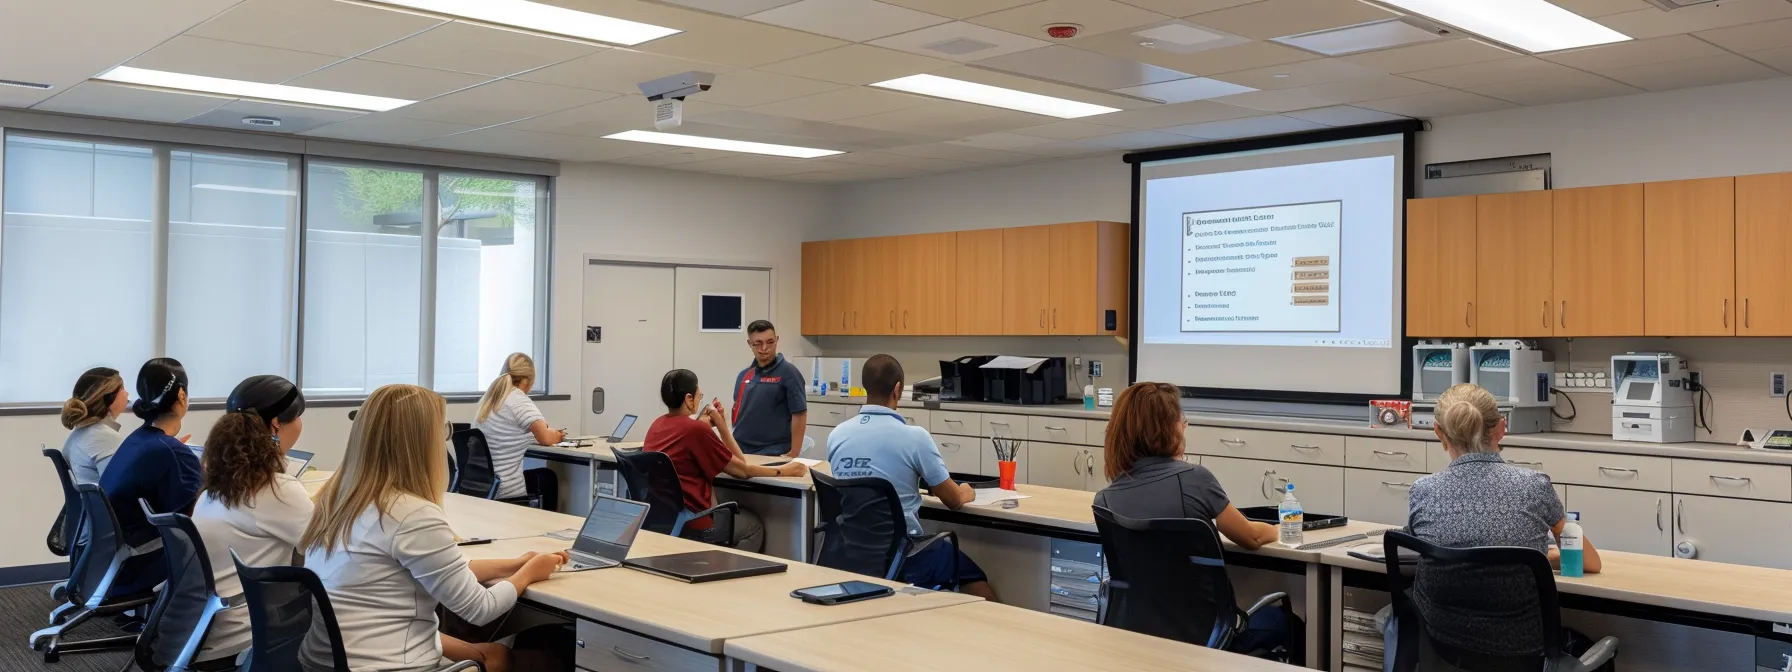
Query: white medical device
(1651, 398)
(1518, 376)
(1436, 366)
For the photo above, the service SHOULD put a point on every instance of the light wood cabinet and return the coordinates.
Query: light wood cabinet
(1763, 244)
(1632, 521)
(1598, 259)
(1440, 293)
(1086, 282)
(1513, 264)
(1026, 280)
(981, 272)
(879, 260)
(1689, 250)
(818, 287)
(927, 284)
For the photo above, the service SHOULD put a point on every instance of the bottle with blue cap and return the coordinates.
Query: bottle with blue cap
(1292, 516)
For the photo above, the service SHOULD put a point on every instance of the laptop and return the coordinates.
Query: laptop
(608, 533)
(296, 461)
(621, 432)
(705, 566)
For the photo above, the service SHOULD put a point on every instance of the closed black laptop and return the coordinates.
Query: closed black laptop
(705, 566)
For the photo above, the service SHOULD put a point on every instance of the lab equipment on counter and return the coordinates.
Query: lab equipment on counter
(1024, 380)
(1768, 439)
(962, 379)
(1436, 367)
(1651, 398)
(1518, 376)
(926, 390)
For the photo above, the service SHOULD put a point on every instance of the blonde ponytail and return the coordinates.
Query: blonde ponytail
(1467, 414)
(518, 369)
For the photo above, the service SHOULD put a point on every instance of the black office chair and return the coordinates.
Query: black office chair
(477, 478)
(1417, 649)
(283, 602)
(90, 581)
(64, 538)
(1167, 578)
(650, 477)
(863, 530)
(457, 456)
(188, 603)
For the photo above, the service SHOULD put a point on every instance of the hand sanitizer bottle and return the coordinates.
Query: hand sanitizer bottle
(1571, 546)
(1292, 516)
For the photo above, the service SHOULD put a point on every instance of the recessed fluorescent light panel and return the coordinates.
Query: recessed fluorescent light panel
(1532, 25)
(701, 142)
(240, 89)
(1363, 37)
(994, 96)
(544, 18)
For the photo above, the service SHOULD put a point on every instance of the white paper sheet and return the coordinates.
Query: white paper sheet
(805, 461)
(1012, 362)
(988, 496)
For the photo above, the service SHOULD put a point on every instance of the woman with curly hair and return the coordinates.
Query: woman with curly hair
(249, 504)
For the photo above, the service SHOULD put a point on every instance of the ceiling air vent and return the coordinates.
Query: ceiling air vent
(23, 85)
(1670, 5)
(262, 122)
(959, 46)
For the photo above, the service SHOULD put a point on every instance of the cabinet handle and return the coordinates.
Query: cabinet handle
(1658, 527)
(1525, 464)
(626, 655)
(1618, 469)
(1726, 313)
(905, 319)
(950, 421)
(1467, 311)
(1054, 318)
(1076, 463)
(1391, 453)
(998, 422)
(953, 446)
(1050, 428)
(909, 419)
(1745, 314)
(1041, 318)
(1562, 319)
(1392, 484)
(1302, 446)
(1089, 463)
(1679, 524)
(892, 320)
(833, 412)
(580, 643)
(1232, 442)
(1264, 486)
(1732, 479)
(1545, 314)
(843, 319)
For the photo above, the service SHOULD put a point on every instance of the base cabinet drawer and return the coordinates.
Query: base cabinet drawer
(1365, 452)
(1737, 531)
(1264, 445)
(1098, 433)
(919, 417)
(1057, 430)
(1733, 479)
(601, 647)
(1375, 496)
(829, 415)
(961, 453)
(1320, 489)
(1005, 426)
(955, 422)
(1624, 520)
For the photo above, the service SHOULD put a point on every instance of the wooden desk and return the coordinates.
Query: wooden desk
(980, 636)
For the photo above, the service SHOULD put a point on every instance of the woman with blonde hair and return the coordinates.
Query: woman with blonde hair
(381, 544)
(91, 416)
(512, 424)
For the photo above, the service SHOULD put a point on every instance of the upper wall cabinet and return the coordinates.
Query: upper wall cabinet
(1440, 293)
(1763, 244)
(1689, 250)
(1598, 259)
(1513, 270)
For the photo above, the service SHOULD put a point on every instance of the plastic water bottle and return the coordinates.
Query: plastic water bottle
(1571, 546)
(1292, 516)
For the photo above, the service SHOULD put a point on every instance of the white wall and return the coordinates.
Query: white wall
(1073, 190)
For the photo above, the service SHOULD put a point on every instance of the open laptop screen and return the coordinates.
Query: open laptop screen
(296, 461)
(628, 422)
(610, 528)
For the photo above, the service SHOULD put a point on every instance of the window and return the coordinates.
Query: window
(487, 284)
(363, 265)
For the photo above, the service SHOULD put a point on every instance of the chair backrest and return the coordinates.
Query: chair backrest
(862, 526)
(283, 602)
(1167, 578)
(650, 477)
(65, 539)
(188, 601)
(1419, 647)
(97, 564)
(477, 476)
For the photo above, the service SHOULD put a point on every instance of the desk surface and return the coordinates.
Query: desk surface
(980, 636)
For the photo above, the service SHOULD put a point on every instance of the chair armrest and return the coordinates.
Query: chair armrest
(733, 507)
(1602, 652)
(463, 665)
(916, 546)
(1265, 601)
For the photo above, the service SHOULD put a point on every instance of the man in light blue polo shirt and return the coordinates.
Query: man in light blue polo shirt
(878, 442)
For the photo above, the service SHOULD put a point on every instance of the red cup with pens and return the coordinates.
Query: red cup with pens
(1006, 452)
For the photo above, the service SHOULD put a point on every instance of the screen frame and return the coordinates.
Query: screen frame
(1408, 130)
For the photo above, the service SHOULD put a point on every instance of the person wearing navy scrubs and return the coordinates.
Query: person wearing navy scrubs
(154, 464)
(770, 406)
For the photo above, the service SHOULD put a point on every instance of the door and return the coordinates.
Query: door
(1026, 280)
(716, 355)
(1740, 531)
(1440, 285)
(818, 288)
(1689, 244)
(1074, 269)
(1599, 261)
(980, 276)
(1513, 252)
(632, 309)
(1763, 244)
(1057, 465)
(927, 286)
(1633, 521)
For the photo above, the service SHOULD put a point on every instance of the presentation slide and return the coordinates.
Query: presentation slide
(1274, 270)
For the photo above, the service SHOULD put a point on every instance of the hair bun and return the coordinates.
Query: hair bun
(73, 412)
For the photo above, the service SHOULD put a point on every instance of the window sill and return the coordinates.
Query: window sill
(330, 402)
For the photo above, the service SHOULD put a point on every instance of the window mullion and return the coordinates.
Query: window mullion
(158, 246)
(426, 332)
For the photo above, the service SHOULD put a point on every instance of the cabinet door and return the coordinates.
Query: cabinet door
(1320, 489)
(1513, 267)
(818, 285)
(1633, 521)
(1599, 261)
(1689, 249)
(1096, 467)
(1073, 267)
(980, 277)
(1376, 496)
(1763, 244)
(1056, 465)
(927, 284)
(1440, 288)
(1740, 531)
(961, 454)
(846, 297)
(879, 259)
(1026, 280)
(818, 434)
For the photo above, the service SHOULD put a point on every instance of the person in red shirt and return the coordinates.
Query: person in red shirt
(702, 447)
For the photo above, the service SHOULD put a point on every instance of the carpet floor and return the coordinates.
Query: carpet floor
(26, 609)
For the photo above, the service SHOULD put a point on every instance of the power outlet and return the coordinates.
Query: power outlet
(1095, 369)
(1776, 383)
(1698, 380)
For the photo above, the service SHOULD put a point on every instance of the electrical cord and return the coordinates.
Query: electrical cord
(1702, 417)
(1572, 411)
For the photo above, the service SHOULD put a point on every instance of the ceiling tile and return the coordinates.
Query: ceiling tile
(1249, 127)
(293, 118)
(1437, 104)
(935, 165)
(855, 20)
(1184, 90)
(1778, 58)
(1023, 144)
(1225, 59)
(1557, 89)
(1371, 88)
(1138, 140)
(373, 78)
(672, 156)
(63, 42)
(1186, 7)
(1695, 72)
(960, 41)
(1344, 115)
(605, 117)
(879, 159)
(230, 60)
(127, 102)
(1279, 100)
(740, 44)
(1430, 56)
(1095, 16)
(318, 26)
(1277, 18)
(1164, 116)
(1489, 73)
(961, 152)
(842, 104)
(509, 142)
(387, 128)
(1068, 130)
(1752, 37)
(947, 120)
(857, 64)
(732, 7)
(959, 9)
(1060, 63)
(1634, 53)
(1294, 75)
(845, 174)
(615, 70)
(746, 88)
(1593, 8)
(500, 101)
(1652, 22)
(484, 50)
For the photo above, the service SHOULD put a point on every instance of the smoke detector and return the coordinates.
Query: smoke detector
(1062, 31)
(262, 122)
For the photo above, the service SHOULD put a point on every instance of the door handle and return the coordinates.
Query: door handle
(1467, 310)
(905, 319)
(1658, 527)
(1264, 486)
(1041, 318)
(892, 320)
(1089, 463)
(1745, 314)
(597, 400)
(1679, 523)
(1054, 318)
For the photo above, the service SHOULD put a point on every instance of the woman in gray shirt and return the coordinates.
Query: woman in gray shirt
(92, 416)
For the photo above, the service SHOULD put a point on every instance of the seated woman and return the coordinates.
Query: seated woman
(91, 416)
(154, 464)
(701, 448)
(380, 543)
(1149, 479)
(512, 424)
(249, 504)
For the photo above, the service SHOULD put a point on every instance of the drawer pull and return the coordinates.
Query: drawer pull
(617, 650)
(950, 421)
(1732, 479)
(1050, 428)
(1525, 464)
(1392, 453)
(1621, 470)
(951, 445)
(997, 422)
(1303, 446)
(1392, 484)
(909, 419)
(1232, 442)
(833, 412)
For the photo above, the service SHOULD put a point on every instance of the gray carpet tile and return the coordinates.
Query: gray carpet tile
(24, 610)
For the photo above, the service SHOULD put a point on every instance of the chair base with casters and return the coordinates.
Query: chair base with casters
(69, 616)
(91, 579)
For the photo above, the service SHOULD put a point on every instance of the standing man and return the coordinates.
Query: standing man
(770, 406)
